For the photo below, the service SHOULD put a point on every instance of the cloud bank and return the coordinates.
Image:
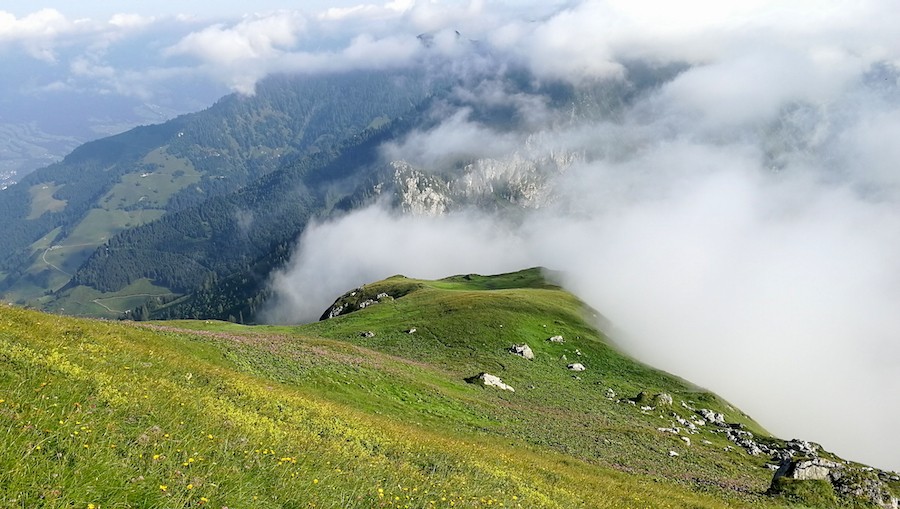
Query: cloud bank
(738, 221)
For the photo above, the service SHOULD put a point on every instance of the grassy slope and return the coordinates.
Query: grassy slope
(138, 198)
(199, 413)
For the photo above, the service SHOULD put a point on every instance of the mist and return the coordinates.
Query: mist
(738, 223)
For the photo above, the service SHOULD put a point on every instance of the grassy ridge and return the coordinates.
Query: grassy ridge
(212, 414)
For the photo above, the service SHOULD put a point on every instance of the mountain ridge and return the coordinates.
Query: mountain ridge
(204, 412)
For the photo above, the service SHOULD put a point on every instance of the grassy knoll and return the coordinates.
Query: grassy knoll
(194, 414)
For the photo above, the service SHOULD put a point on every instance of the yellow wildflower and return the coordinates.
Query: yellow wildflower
(163, 487)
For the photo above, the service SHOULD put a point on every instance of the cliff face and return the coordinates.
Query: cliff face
(521, 179)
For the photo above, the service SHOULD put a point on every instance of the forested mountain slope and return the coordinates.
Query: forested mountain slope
(56, 217)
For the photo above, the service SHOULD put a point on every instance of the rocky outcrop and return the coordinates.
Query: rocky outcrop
(523, 351)
(523, 179)
(848, 482)
(365, 296)
(806, 470)
(335, 310)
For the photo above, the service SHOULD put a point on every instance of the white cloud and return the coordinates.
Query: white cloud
(256, 38)
(737, 223)
(244, 53)
(130, 21)
(454, 139)
(35, 32)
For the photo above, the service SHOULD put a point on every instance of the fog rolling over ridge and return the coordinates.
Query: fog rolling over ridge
(738, 221)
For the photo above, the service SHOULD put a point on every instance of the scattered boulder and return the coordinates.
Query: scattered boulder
(366, 303)
(673, 454)
(686, 440)
(490, 380)
(523, 351)
(712, 417)
(610, 394)
(576, 366)
(690, 426)
(802, 447)
(556, 339)
(806, 470)
(745, 440)
(410, 331)
(382, 295)
(367, 334)
(662, 399)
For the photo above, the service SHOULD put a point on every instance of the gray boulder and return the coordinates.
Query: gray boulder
(523, 351)
(576, 366)
(662, 399)
(712, 417)
(490, 380)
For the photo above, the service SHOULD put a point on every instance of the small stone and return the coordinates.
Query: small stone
(673, 454)
(556, 339)
(686, 440)
(367, 334)
(410, 331)
(576, 366)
